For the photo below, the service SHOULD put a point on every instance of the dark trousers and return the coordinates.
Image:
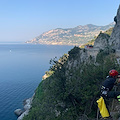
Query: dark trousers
(113, 94)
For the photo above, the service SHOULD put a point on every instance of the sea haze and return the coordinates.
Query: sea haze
(21, 69)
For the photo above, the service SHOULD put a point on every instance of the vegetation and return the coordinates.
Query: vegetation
(74, 52)
(55, 64)
(109, 31)
(71, 92)
(91, 42)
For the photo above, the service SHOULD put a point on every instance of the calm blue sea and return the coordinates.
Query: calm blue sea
(21, 69)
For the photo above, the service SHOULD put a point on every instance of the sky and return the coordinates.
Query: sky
(23, 20)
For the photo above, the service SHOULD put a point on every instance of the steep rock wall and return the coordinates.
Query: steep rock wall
(114, 40)
(101, 41)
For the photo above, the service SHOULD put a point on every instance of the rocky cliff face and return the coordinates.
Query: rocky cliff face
(101, 41)
(114, 40)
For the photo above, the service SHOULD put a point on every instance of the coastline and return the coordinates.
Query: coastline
(27, 103)
(66, 44)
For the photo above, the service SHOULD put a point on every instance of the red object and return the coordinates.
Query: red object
(113, 73)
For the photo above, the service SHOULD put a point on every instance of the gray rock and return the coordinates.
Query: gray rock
(27, 104)
(23, 114)
(114, 40)
(27, 107)
(18, 112)
(101, 41)
(119, 118)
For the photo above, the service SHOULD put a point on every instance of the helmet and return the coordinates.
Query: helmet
(113, 73)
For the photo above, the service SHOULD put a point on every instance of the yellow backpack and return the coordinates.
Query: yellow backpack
(102, 107)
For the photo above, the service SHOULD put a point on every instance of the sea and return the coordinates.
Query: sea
(21, 69)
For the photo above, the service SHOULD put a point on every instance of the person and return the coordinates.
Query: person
(108, 84)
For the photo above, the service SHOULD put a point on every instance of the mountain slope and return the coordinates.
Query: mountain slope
(71, 36)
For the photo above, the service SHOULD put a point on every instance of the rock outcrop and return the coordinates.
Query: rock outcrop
(27, 105)
(18, 112)
(114, 40)
(101, 41)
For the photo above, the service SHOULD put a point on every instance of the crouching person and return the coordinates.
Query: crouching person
(106, 92)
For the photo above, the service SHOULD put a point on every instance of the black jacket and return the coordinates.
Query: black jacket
(109, 83)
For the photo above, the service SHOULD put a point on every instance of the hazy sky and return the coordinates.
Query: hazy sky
(22, 20)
